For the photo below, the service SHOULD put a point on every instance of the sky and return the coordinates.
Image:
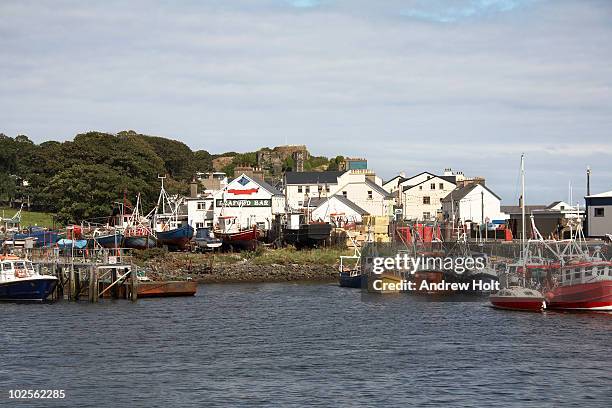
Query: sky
(411, 85)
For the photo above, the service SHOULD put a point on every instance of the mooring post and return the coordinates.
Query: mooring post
(96, 284)
(77, 282)
(72, 284)
(134, 284)
(114, 291)
(92, 288)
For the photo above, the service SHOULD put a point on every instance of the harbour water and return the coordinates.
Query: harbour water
(300, 344)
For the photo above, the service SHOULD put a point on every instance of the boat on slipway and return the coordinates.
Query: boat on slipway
(42, 236)
(305, 234)
(20, 282)
(234, 236)
(204, 240)
(138, 233)
(170, 226)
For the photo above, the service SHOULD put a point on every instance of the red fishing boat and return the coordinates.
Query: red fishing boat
(234, 237)
(583, 285)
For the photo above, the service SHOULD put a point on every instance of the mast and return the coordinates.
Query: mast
(523, 226)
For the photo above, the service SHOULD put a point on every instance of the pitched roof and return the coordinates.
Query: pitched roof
(344, 201)
(378, 188)
(402, 179)
(312, 177)
(459, 193)
(554, 203)
(445, 178)
(271, 189)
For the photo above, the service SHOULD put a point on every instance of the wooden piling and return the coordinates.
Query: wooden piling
(72, 285)
(133, 284)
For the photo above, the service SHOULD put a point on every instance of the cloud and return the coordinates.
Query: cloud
(450, 12)
(303, 3)
(347, 77)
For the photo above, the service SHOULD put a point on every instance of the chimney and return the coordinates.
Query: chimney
(193, 188)
(588, 181)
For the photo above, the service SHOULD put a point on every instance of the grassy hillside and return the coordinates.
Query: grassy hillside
(28, 217)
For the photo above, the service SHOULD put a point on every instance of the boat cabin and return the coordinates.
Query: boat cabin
(586, 272)
(11, 268)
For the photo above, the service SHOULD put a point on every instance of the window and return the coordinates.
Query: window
(199, 225)
(598, 212)
(562, 207)
(441, 186)
(300, 203)
(426, 215)
(201, 205)
(344, 193)
(370, 195)
(576, 273)
(300, 189)
(327, 189)
(426, 200)
(320, 188)
(420, 187)
(433, 186)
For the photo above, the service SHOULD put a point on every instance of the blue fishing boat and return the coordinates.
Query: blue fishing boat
(139, 241)
(43, 237)
(113, 240)
(19, 280)
(177, 238)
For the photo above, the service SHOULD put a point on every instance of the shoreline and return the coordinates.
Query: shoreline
(242, 268)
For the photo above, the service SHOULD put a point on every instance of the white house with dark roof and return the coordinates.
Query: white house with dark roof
(300, 187)
(366, 194)
(473, 202)
(338, 210)
(251, 201)
(599, 214)
(423, 201)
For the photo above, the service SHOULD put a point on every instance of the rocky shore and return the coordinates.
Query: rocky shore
(247, 272)
(212, 270)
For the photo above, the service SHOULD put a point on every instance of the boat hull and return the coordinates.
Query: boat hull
(583, 296)
(43, 238)
(239, 240)
(527, 304)
(307, 235)
(34, 289)
(176, 239)
(167, 289)
(107, 241)
(354, 281)
(140, 242)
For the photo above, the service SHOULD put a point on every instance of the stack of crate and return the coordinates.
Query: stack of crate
(375, 228)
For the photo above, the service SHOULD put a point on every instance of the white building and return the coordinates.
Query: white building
(473, 202)
(338, 210)
(423, 201)
(300, 187)
(365, 191)
(250, 201)
(599, 214)
(200, 211)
